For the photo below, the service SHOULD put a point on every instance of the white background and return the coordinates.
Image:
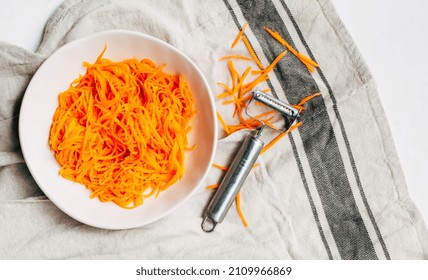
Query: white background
(392, 36)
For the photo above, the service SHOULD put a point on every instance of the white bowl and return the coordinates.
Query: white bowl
(41, 100)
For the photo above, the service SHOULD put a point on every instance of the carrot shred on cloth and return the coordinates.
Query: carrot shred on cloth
(238, 208)
(121, 130)
(264, 74)
(237, 95)
(213, 186)
(221, 167)
(239, 36)
(236, 56)
(280, 136)
(308, 98)
(299, 106)
(251, 51)
(223, 123)
(309, 63)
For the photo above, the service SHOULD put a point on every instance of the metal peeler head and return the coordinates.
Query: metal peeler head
(288, 112)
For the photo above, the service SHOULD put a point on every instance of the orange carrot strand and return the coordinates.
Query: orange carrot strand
(237, 56)
(309, 63)
(212, 187)
(238, 208)
(224, 168)
(223, 123)
(307, 98)
(279, 137)
(239, 36)
(252, 53)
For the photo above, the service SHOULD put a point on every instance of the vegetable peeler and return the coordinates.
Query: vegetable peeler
(244, 161)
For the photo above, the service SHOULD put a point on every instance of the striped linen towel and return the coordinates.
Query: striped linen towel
(332, 189)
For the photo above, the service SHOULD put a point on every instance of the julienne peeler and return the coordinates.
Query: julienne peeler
(244, 161)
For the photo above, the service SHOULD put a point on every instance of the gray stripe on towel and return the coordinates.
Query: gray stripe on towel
(296, 155)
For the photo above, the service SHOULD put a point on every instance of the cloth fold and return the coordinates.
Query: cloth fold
(333, 189)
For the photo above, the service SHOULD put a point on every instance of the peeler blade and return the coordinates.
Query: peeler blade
(276, 104)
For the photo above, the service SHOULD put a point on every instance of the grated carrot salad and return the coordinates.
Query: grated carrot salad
(121, 130)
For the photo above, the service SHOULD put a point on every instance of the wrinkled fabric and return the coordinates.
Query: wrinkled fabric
(333, 189)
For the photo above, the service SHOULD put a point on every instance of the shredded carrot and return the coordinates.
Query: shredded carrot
(264, 74)
(309, 63)
(224, 168)
(121, 130)
(241, 100)
(238, 208)
(252, 53)
(223, 123)
(234, 76)
(236, 56)
(307, 98)
(239, 36)
(279, 137)
(299, 106)
(211, 187)
(273, 142)
(226, 93)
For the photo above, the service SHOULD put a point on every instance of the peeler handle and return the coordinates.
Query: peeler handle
(232, 182)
